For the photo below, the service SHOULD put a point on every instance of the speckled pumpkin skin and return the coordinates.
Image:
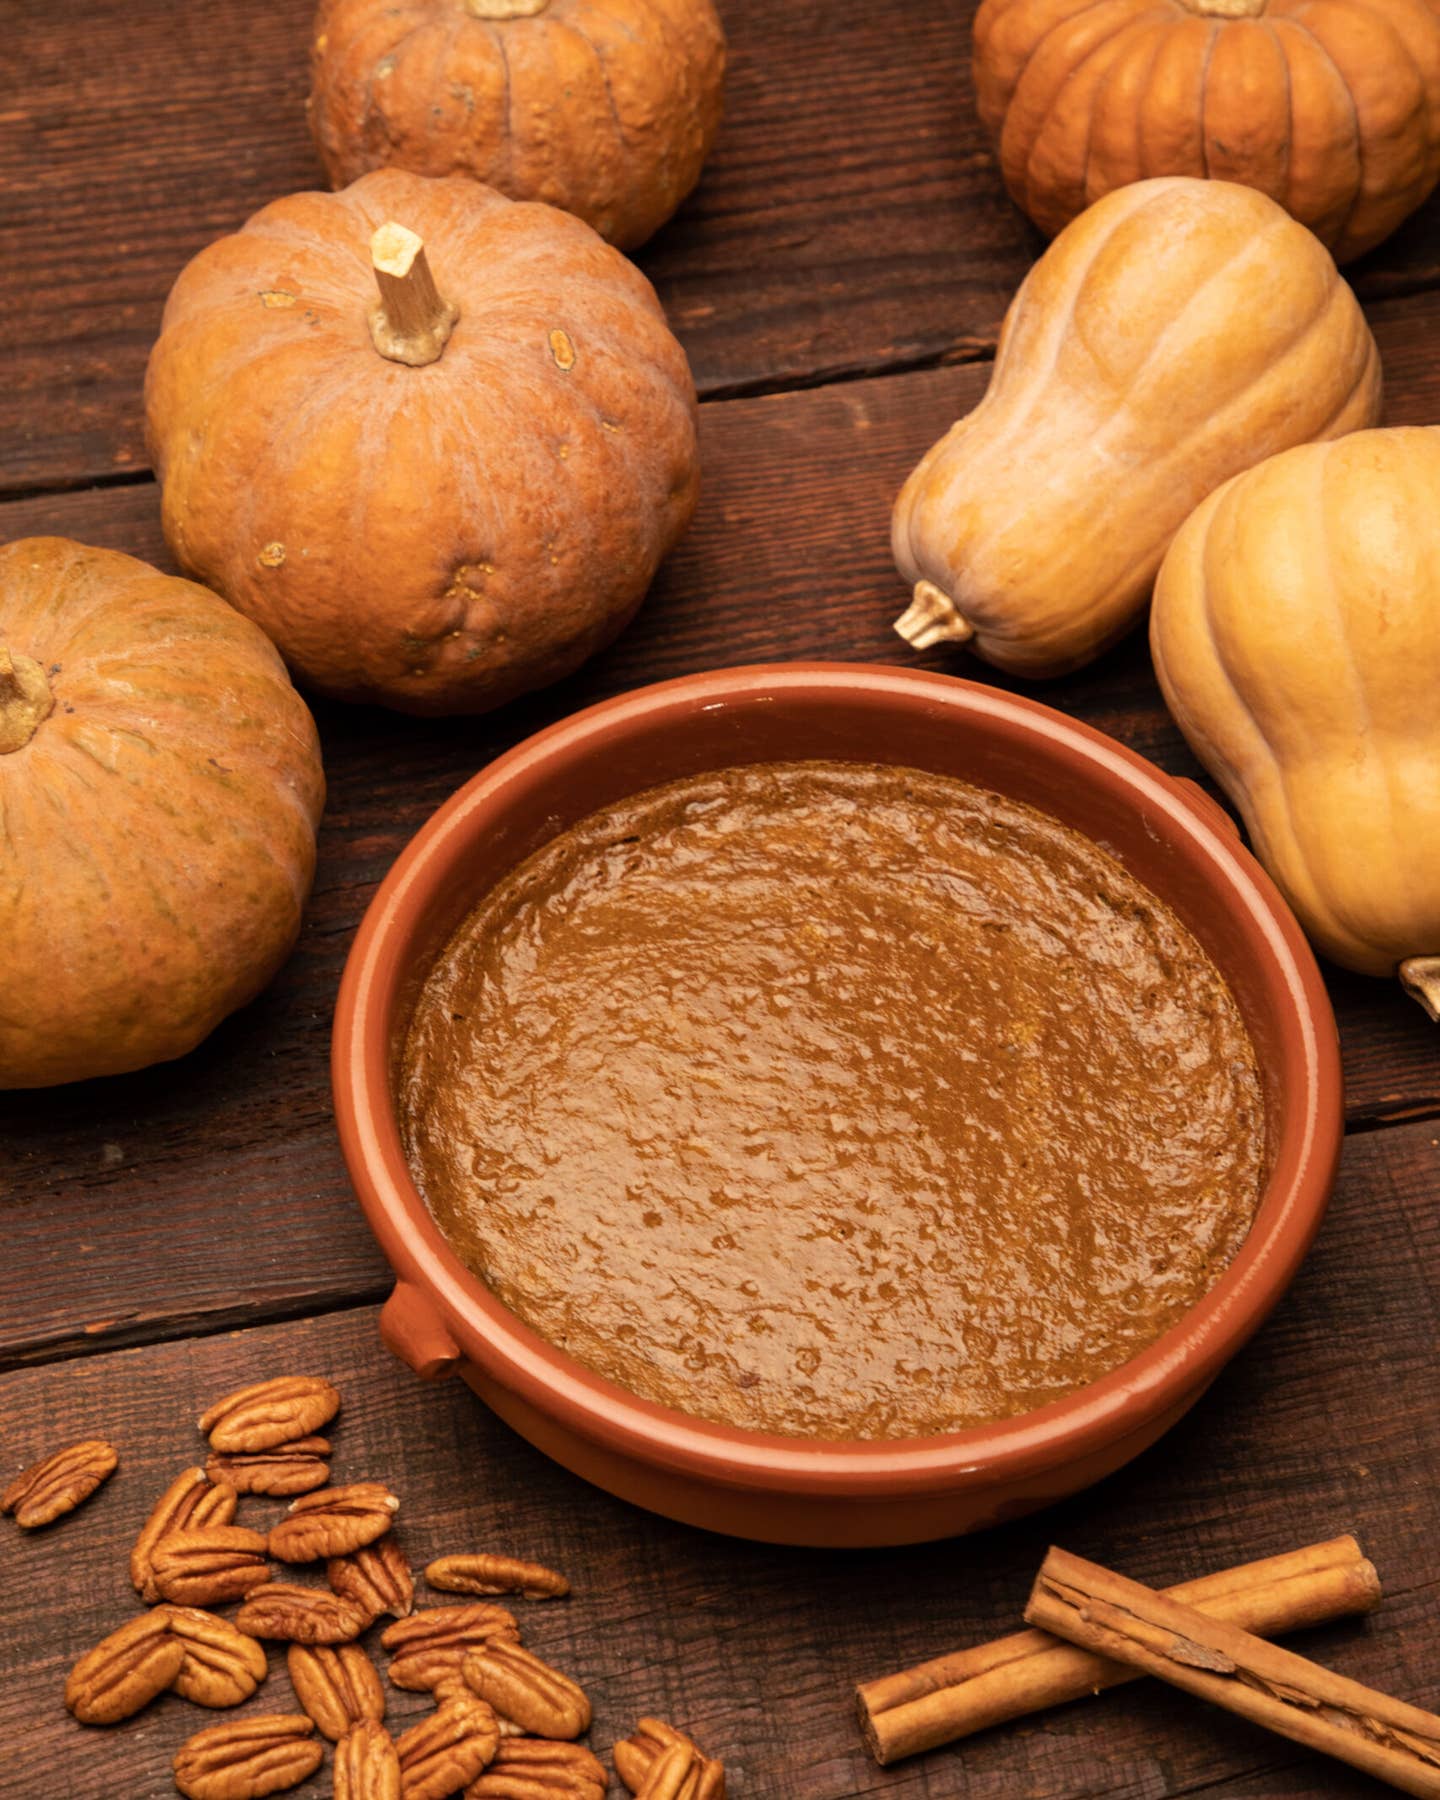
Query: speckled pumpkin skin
(159, 826)
(438, 539)
(606, 108)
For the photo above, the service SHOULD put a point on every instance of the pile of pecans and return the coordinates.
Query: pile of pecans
(505, 1722)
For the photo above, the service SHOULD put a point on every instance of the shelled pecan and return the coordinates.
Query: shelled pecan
(222, 1666)
(301, 1615)
(434, 1641)
(338, 1687)
(367, 1764)
(58, 1483)
(270, 1412)
(333, 1522)
(296, 1467)
(518, 1683)
(209, 1565)
(447, 1749)
(376, 1577)
(526, 1768)
(124, 1671)
(245, 1759)
(192, 1500)
(482, 1574)
(635, 1755)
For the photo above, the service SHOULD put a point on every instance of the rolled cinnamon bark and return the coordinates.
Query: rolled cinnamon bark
(1109, 1615)
(971, 1690)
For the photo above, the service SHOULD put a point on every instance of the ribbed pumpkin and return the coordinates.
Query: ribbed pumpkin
(1173, 335)
(606, 108)
(1296, 634)
(433, 491)
(1332, 107)
(160, 786)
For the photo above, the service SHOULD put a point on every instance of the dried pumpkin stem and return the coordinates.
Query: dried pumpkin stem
(932, 618)
(412, 323)
(505, 9)
(25, 700)
(1420, 977)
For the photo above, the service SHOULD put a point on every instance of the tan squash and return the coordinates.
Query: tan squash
(433, 441)
(1178, 332)
(1296, 634)
(160, 786)
(1332, 107)
(607, 108)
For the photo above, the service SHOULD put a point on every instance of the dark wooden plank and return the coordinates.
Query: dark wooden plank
(1325, 1424)
(851, 217)
(789, 557)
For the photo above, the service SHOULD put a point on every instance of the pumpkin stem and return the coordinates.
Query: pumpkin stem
(931, 618)
(25, 700)
(412, 324)
(1420, 977)
(505, 9)
(1226, 9)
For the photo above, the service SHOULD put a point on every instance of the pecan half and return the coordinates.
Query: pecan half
(247, 1758)
(435, 1641)
(447, 1750)
(301, 1615)
(495, 1575)
(191, 1500)
(367, 1765)
(516, 1682)
(376, 1577)
(292, 1468)
(209, 1566)
(124, 1671)
(338, 1688)
(634, 1757)
(673, 1775)
(58, 1483)
(334, 1522)
(222, 1666)
(536, 1769)
(270, 1412)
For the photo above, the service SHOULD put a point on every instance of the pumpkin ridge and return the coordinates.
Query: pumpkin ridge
(1358, 193)
(1111, 43)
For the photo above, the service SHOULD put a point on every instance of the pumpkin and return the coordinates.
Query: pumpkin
(1176, 333)
(160, 786)
(607, 108)
(1296, 635)
(1332, 107)
(433, 441)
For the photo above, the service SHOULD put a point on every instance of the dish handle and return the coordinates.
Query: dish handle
(410, 1329)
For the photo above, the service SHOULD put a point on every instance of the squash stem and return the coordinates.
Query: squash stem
(932, 618)
(412, 323)
(1420, 977)
(25, 700)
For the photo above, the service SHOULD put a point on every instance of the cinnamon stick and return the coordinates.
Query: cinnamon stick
(970, 1690)
(1109, 1615)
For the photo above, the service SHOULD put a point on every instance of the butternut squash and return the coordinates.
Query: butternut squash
(1175, 334)
(1296, 634)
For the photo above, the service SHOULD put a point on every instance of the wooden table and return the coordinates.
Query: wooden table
(838, 282)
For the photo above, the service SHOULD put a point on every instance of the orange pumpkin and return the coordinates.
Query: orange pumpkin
(433, 491)
(606, 108)
(160, 786)
(1331, 107)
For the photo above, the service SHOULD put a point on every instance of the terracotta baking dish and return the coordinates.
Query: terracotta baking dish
(1168, 832)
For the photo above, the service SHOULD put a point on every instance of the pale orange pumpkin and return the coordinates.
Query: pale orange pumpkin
(434, 492)
(606, 108)
(160, 786)
(1331, 107)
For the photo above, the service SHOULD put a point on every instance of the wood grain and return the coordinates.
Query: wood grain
(789, 557)
(1320, 1426)
(851, 217)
